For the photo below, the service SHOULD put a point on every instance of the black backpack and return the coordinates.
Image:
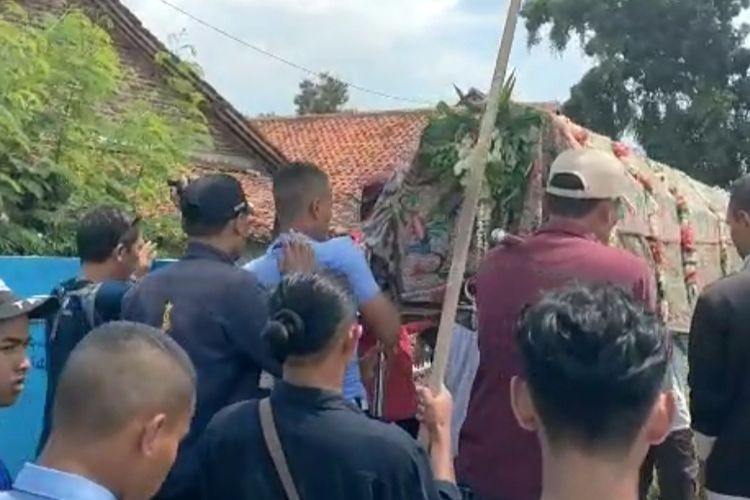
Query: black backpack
(76, 317)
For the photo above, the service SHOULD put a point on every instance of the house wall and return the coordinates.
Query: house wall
(145, 81)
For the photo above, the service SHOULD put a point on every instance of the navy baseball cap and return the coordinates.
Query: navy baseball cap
(36, 307)
(213, 199)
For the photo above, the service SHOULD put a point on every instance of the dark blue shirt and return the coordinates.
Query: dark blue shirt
(5, 480)
(334, 452)
(217, 313)
(71, 328)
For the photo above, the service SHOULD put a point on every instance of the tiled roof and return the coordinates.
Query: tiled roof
(352, 148)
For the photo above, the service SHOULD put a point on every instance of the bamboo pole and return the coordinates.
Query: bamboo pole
(465, 223)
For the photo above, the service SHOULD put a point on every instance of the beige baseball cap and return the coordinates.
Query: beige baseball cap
(602, 176)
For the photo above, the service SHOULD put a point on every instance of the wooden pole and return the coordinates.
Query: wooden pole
(465, 223)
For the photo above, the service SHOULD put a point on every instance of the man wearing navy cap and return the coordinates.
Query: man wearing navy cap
(15, 314)
(214, 310)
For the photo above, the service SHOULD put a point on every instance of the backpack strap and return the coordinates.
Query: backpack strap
(88, 303)
(87, 298)
(271, 437)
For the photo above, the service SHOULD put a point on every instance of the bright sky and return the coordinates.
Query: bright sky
(411, 48)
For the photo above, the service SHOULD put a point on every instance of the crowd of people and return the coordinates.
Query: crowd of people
(206, 380)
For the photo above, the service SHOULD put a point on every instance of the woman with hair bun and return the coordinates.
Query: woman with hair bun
(306, 441)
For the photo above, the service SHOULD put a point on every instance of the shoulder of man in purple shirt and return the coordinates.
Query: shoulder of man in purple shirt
(496, 458)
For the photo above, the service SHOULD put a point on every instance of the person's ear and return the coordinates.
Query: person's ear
(351, 340)
(659, 423)
(241, 226)
(744, 218)
(315, 208)
(152, 432)
(522, 405)
(120, 252)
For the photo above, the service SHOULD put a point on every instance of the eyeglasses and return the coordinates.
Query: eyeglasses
(244, 208)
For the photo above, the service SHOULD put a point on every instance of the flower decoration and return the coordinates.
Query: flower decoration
(620, 150)
(581, 135)
(655, 242)
(688, 246)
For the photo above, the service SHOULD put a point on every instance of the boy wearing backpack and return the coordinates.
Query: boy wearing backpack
(113, 254)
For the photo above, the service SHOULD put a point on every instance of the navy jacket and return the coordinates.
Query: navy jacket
(334, 452)
(217, 313)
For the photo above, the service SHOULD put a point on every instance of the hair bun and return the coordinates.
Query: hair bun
(282, 331)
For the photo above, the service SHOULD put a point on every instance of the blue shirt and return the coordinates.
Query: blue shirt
(36, 482)
(339, 255)
(5, 480)
(216, 312)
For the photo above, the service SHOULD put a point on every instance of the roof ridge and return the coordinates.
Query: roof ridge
(544, 105)
(131, 25)
(343, 114)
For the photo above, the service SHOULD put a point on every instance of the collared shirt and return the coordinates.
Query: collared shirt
(217, 313)
(36, 482)
(339, 255)
(333, 450)
(509, 279)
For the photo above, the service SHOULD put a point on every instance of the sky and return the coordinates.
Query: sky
(415, 49)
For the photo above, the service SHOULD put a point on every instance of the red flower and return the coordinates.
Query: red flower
(687, 236)
(657, 250)
(681, 202)
(646, 182)
(581, 135)
(620, 150)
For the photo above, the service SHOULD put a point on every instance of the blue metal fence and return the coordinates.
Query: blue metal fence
(20, 425)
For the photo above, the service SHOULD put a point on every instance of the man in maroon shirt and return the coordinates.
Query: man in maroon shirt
(497, 460)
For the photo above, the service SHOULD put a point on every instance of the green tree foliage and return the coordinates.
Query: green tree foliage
(327, 95)
(68, 141)
(672, 73)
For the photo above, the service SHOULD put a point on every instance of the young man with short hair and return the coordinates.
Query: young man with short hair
(124, 402)
(213, 309)
(593, 362)
(14, 340)
(304, 208)
(112, 253)
(718, 358)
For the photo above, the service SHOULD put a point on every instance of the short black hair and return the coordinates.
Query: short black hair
(306, 313)
(573, 208)
(295, 186)
(594, 361)
(101, 230)
(739, 195)
(118, 370)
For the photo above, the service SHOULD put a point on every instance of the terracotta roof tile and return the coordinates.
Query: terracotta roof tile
(352, 148)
